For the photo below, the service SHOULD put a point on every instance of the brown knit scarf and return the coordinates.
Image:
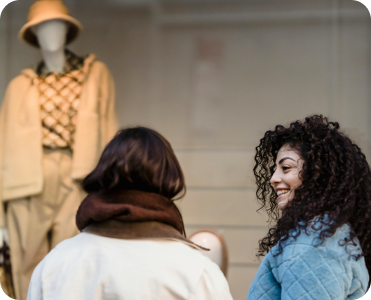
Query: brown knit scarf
(128, 206)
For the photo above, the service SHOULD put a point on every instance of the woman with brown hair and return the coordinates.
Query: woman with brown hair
(133, 243)
(315, 185)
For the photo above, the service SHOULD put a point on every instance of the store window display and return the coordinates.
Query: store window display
(55, 120)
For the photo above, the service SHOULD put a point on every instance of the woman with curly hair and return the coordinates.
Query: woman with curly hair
(315, 185)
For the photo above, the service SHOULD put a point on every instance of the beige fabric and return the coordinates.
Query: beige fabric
(60, 96)
(139, 230)
(102, 268)
(20, 130)
(45, 10)
(38, 223)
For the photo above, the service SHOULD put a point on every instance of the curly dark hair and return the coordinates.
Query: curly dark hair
(336, 181)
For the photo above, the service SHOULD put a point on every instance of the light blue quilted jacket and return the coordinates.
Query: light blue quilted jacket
(303, 271)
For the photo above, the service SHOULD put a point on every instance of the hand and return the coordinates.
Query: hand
(4, 236)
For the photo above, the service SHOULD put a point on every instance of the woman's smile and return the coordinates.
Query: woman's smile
(282, 197)
(282, 192)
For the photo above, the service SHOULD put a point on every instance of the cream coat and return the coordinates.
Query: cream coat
(90, 266)
(20, 130)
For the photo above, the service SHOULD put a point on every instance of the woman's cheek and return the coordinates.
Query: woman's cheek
(291, 194)
(282, 204)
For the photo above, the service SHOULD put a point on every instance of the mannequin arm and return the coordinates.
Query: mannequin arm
(3, 114)
(2, 215)
(107, 103)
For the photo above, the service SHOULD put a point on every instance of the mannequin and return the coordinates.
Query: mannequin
(55, 120)
(52, 38)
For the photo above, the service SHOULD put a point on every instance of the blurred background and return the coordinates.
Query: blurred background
(212, 76)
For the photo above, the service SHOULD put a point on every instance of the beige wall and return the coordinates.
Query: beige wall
(3, 52)
(277, 61)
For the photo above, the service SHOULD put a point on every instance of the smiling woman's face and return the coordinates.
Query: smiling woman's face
(286, 176)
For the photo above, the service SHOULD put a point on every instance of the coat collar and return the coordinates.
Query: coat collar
(89, 60)
(139, 230)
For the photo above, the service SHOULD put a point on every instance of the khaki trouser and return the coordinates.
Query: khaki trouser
(38, 223)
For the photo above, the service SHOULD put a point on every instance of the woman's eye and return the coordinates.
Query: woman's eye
(285, 168)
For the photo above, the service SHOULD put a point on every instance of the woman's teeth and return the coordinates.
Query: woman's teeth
(280, 192)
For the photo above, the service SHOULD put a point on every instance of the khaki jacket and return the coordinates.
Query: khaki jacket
(20, 130)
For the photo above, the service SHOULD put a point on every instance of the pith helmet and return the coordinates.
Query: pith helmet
(45, 10)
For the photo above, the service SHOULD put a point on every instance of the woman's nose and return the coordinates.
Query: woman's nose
(275, 179)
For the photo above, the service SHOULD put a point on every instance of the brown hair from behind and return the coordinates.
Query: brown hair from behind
(137, 158)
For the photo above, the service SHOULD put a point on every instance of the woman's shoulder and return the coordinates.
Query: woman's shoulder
(310, 237)
(306, 263)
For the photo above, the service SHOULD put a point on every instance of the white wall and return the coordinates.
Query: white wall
(277, 61)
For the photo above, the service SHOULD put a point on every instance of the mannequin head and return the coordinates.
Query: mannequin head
(51, 35)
